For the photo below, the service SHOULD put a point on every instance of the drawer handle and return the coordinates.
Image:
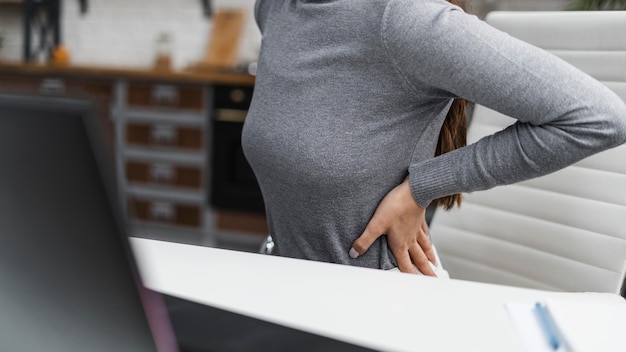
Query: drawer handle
(230, 115)
(162, 211)
(52, 86)
(162, 173)
(164, 134)
(165, 95)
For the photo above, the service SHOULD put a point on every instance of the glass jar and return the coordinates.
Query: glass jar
(163, 51)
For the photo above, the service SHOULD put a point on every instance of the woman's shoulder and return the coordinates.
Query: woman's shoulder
(422, 13)
(347, 12)
(422, 24)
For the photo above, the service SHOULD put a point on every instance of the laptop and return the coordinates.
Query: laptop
(68, 280)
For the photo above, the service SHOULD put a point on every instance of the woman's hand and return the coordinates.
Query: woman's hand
(403, 221)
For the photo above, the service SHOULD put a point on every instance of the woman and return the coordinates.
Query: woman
(348, 109)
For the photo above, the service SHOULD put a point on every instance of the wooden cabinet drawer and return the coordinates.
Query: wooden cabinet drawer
(241, 221)
(71, 87)
(165, 212)
(99, 89)
(164, 174)
(163, 135)
(186, 97)
(15, 84)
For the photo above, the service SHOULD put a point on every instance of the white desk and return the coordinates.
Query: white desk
(372, 308)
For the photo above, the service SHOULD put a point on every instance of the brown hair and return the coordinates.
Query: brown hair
(453, 133)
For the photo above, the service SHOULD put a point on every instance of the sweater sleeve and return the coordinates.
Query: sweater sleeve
(563, 114)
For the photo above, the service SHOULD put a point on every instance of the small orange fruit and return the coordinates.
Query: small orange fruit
(61, 56)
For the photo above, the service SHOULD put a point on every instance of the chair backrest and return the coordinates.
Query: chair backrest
(565, 231)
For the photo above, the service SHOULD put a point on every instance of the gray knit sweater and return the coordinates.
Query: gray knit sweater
(350, 97)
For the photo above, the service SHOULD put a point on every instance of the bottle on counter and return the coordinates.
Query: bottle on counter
(163, 60)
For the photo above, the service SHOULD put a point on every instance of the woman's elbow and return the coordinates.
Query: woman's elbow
(615, 123)
(603, 123)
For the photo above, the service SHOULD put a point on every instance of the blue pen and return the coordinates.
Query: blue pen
(548, 326)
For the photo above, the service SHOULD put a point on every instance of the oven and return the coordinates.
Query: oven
(233, 183)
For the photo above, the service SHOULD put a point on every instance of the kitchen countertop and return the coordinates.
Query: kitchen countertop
(197, 77)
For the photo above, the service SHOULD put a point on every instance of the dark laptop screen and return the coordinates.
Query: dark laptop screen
(66, 284)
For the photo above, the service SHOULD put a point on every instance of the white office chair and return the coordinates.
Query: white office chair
(565, 231)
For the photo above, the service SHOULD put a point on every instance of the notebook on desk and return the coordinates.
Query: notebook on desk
(67, 276)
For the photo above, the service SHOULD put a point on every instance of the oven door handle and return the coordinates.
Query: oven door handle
(230, 115)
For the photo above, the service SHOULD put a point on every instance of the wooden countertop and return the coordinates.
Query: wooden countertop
(198, 77)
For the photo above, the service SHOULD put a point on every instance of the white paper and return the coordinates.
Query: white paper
(587, 326)
(526, 323)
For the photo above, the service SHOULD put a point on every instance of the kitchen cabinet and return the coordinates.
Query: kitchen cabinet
(161, 131)
(159, 128)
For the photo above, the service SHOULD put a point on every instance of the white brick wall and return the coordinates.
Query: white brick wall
(122, 32)
(11, 31)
